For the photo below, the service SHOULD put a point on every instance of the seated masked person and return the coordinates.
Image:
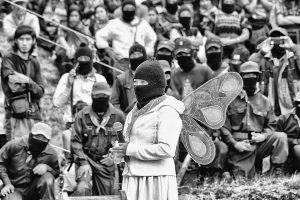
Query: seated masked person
(249, 129)
(29, 166)
(289, 124)
(93, 135)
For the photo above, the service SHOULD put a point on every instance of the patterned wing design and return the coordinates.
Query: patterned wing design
(207, 104)
(197, 142)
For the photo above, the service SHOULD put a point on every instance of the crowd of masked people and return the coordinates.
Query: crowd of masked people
(97, 45)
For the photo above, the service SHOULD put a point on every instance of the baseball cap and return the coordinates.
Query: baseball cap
(249, 67)
(166, 44)
(101, 88)
(280, 30)
(182, 45)
(213, 42)
(240, 54)
(42, 129)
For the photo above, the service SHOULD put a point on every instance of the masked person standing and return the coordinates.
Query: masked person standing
(190, 75)
(123, 96)
(124, 32)
(214, 56)
(75, 88)
(22, 84)
(186, 30)
(289, 124)
(280, 66)
(92, 137)
(249, 129)
(231, 27)
(29, 166)
(149, 172)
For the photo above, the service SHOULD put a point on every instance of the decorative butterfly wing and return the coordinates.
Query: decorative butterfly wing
(208, 105)
(197, 142)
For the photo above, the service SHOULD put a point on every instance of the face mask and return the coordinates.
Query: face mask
(171, 8)
(186, 63)
(297, 105)
(185, 22)
(100, 105)
(85, 68)
(277, 51)
(235, 67)
(228, 8)
(128, 16)
(36, 146)
(135, 62)
(214, 60)
(168, 58)
(250, 85)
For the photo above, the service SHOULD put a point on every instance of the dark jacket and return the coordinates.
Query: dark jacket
(289, 124)
(123, 95)
(248, 114)
(15, 168)
(91, 139)
(13, 63)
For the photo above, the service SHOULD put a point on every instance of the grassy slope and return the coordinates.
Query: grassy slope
(287, 187)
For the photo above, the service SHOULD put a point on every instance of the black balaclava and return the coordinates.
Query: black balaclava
(186, 63)
(135, 62)
(277, 51)
(128, 16)
(184, 21)
(297, 106)
(83, 52)
(151, 72)
(227, 8)
(100, 104)
(164, 56)
(36, 146)
(250, 85)
(214, 60)
(171, 7)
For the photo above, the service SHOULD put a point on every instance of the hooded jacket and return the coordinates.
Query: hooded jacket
(153, 140)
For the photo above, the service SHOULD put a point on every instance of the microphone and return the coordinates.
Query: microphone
(118, 127)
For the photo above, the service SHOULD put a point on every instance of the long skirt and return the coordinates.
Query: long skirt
(150, 187)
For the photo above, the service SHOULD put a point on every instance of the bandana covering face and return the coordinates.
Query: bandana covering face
(36, 146)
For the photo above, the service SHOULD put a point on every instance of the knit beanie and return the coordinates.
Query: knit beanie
(213, 42)
(136, 61)
(84, 56)
(149, 71)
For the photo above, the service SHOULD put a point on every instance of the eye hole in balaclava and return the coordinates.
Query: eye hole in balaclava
(137, 55)
(84, 56)
(128, 10)
(149, 82)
